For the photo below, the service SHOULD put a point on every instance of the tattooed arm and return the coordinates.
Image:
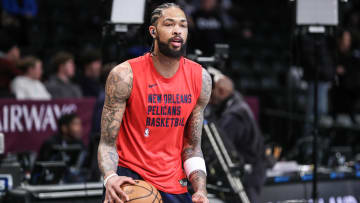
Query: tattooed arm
(117, 91)
(192, 139)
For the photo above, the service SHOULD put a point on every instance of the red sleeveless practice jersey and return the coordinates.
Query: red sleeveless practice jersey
(150, 139)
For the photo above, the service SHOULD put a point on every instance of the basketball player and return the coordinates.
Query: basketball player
(153, 115)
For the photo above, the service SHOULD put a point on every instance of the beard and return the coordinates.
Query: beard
(165, 49)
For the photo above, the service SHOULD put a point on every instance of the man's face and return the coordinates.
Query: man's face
(216, 95)
(223, 88)
(14, 54)
(208, 5)
(75, 128)
(94, 69)
(172, 32)
(37, 70)
(346, 40)
(69, 68)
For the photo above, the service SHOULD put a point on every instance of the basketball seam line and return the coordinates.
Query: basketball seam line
(156, 197)
(151, 192)
(160, 197)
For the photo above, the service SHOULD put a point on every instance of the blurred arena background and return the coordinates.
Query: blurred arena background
(55, 56)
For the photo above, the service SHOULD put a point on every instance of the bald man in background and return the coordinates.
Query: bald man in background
(233, 117)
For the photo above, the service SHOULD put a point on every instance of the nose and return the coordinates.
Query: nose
(177, 30)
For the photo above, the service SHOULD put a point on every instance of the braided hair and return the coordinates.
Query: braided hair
(157, 12)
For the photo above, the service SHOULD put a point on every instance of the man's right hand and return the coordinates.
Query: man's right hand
(114, 193)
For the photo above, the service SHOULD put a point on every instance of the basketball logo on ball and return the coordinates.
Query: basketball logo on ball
(141, 192)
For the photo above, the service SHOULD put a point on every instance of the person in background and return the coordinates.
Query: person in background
(69, 135)
(29, 85)
(9, 56)
(17, 18)
(60, 85)
(27, 8)
(96, 121)
(317, 58)
(96, 124)
(89, 82)
(236, 122)
(209, 27)
(345, 91)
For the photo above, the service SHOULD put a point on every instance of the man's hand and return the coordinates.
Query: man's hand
(114, 193)
(200, 197)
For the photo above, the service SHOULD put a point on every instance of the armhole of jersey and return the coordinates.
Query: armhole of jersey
(133, 82)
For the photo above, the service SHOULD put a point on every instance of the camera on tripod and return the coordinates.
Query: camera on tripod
(219, 59)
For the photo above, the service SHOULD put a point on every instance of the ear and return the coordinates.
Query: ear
(152, 31)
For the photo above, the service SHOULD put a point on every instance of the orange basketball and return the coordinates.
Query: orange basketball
(142, 192)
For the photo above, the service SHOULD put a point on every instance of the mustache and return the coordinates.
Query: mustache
(179, 39)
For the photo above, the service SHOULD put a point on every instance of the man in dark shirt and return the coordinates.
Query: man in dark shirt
(345, 91)
(317, 60)
(235, 120)
(89, 81)
(60, 85)
(208, 27)
(70, 133)
(66, 146)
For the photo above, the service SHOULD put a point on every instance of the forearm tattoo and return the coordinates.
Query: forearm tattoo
(192, 137)
(117, 91)
(198, 181)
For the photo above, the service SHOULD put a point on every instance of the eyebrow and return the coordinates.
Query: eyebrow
(172, 20)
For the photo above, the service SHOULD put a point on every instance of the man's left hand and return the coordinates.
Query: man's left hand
(200, 197)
